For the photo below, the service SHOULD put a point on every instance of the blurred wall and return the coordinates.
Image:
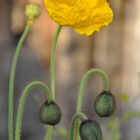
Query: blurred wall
(131, 61)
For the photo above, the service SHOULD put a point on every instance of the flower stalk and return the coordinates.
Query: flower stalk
(49, 132)
(84, 83)
(76, 118)
(52, 61)
(12, 81)
(32, 11)
(26, 92)
(82, 88)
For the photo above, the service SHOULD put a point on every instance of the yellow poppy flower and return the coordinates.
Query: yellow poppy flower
(85, 16)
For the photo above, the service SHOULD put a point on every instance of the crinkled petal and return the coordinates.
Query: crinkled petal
(85, 16)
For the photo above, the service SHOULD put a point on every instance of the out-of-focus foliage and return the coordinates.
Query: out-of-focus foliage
(62, 132)
(113, 130)
(129, 115)
(123, 97)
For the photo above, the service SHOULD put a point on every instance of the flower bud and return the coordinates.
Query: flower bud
(90, 130)
(50, 113)
(32, 11)
(105, 104)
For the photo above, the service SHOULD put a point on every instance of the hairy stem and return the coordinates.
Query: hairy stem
(84, 83)
(82, 88)
(48, 135)
(12, 80)
(78, 116)
(52, 61)
(26, 92)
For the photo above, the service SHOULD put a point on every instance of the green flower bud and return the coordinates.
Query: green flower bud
(32, 11)
(50, 113)
(90, 130)
(105, 104)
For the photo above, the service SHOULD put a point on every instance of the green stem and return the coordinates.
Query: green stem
(11, 81)
(48, 135)
(82, 88)
(78, 116)
(27, 90)
(84, 83)
(52, 61)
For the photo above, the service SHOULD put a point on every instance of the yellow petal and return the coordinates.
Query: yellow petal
(85, 16)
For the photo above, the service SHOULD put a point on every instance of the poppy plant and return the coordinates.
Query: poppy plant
(85, 16)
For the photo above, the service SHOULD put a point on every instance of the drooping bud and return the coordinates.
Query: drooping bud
(90, 130)
(50, 113)
(105, 104)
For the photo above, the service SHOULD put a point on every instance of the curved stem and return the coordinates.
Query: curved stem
(84, 82)
(12, 79)
(78, 116)
(52, 61)
(82, 88)
(22, 101)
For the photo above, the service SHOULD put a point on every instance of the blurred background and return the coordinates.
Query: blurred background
(115, 49)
